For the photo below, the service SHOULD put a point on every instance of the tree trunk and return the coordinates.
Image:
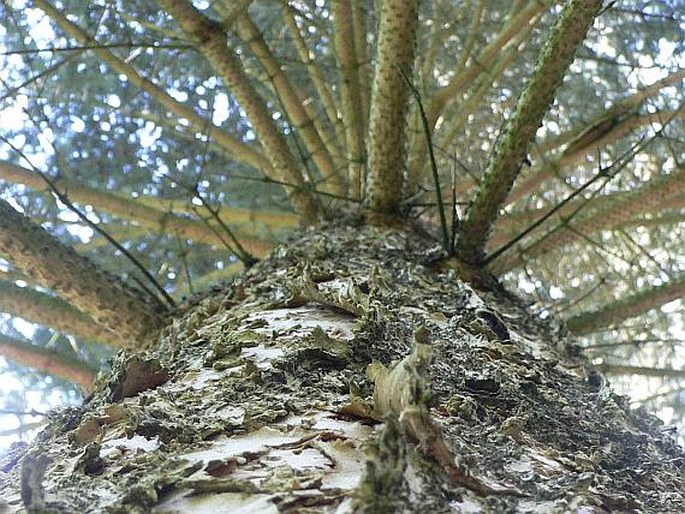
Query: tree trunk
(352, 371)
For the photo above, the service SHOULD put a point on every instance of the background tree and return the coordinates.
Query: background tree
(198, 135)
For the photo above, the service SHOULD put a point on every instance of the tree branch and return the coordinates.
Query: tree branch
(622, 369)
(620, 124)
(602, 135)
(53, 312)
(608, 215)
(389, 105)
(350, 91)
(141, 211)
(241, 152)
(483, 61)
(111, 303)
(489, 58)
(513, 142)
(292, 101)
(320, 85)
(361, 47)
(448, 132)
(210, 39)
(48, 361)
(626, 307)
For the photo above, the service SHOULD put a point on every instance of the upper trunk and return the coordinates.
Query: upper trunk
(262, 397)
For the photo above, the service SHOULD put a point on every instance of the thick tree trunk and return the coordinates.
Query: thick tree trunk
(352, 371)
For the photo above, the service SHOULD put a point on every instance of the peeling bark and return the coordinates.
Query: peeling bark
(353, 371)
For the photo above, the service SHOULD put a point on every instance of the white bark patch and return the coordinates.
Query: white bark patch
(351, 429)
(534, 348)
(200, 379)
(467, 506)
(261, 355)
(120, 445)
(226, 448)
(535, 463)
(301, 460)
(298, 322)
(436, 317)
(307, 455)
(349, 465)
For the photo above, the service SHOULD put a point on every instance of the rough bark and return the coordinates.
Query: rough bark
(124, 311)
(353, 371)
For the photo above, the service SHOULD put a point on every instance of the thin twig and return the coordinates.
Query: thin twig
(244, 256)
(80, 48)
(31, 412)
(182, 252)
(269, 180)
(581, 298)
(455, 215)
(434, 167)
(12, 91)
(218, 234)
(240, 252)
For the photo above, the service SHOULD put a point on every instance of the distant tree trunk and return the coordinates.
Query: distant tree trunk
(353, 371)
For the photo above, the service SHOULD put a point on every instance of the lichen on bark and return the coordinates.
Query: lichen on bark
(258, 396)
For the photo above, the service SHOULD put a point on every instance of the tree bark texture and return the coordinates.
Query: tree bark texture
(353, 371)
